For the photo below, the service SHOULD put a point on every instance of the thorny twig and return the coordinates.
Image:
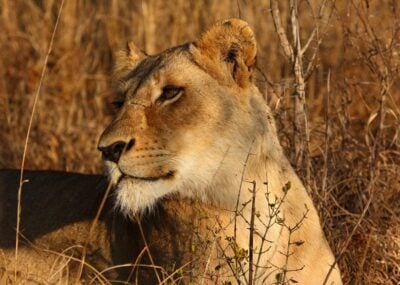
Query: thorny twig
(239, 194)
(287, 254)
(251, 231)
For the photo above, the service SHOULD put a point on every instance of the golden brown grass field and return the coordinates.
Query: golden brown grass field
(352, 99)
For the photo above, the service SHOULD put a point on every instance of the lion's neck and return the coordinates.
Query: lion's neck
(263, 168)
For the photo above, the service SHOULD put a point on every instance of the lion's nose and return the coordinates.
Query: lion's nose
(114, 151)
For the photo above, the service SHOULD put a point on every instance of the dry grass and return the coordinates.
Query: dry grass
(354, 124)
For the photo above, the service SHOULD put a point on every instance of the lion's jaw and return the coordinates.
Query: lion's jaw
(135, 195)
(212, 175)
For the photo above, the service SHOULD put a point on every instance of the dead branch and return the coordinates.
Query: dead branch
(276, 16)
(294, 52)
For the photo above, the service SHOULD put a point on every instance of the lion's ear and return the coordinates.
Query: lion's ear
(127, 59)
(228, 48)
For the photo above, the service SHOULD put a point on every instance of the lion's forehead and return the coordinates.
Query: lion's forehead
(152, 65)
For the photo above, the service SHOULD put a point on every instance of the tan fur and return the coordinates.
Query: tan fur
(191, 166)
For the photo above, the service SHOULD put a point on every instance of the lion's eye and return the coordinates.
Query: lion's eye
(170, 93)
(117, 104)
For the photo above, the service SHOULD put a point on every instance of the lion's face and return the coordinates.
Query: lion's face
(185, 121)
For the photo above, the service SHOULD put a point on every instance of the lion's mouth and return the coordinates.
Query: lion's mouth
(169, 175)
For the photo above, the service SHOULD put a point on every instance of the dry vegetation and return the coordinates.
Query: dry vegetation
(352, 100)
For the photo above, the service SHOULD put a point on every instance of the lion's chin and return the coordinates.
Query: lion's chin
(136, 195)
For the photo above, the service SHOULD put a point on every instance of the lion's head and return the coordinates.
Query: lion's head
(187, 119)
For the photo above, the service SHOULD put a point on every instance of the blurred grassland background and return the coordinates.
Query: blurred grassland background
(354, 128)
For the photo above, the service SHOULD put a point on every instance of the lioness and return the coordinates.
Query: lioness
(193, 125)
(206, 192)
